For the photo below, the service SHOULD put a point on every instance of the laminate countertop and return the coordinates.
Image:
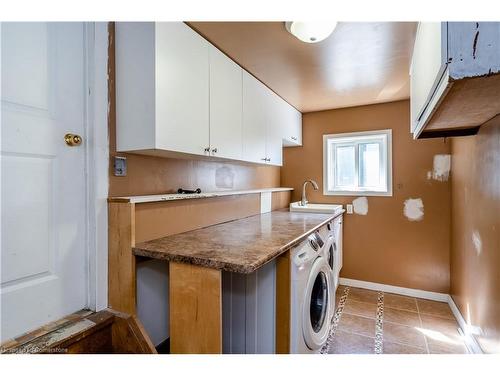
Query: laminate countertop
(241, 245)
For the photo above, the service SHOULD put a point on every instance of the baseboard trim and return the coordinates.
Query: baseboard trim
(470, 340)
(434, 296)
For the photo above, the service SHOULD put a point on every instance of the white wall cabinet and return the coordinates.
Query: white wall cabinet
(255, 113)
(177, 95)
(162, 88)
(455, 77)
(226, 132)
(291, 125)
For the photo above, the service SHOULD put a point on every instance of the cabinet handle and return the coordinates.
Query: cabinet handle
(214, 150)
(264, 159)
(294, 138)
(268, 159)
(206, 149)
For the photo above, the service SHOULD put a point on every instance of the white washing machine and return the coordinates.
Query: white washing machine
(311, 296)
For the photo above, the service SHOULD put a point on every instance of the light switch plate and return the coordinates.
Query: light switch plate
(120, 166)
(349, 208)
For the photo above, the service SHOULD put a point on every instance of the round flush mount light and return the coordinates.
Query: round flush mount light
(310, 32)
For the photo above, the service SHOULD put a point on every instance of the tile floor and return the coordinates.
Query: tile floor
(368, 322)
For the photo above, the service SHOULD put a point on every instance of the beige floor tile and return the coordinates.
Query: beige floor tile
(442, 326)
(368, 310)
(400, 302)
(357, 324)
(363, 295)
(441, 309)
(405, 317)
(351, 343)
(396, 348)
(441, 346)
(403, 334)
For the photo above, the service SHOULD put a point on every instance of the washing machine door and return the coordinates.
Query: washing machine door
(316, 311)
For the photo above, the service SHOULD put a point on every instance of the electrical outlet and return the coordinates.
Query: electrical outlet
(349, 208)
(120, 166)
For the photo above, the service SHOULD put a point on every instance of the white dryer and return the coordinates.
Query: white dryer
(332, 232)
(310, 296)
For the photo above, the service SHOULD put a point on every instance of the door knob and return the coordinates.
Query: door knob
(73, 139)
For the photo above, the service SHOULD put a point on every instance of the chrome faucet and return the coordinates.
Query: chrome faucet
(303, 202)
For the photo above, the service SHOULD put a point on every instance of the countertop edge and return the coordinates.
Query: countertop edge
(176, 197)
(231, 267)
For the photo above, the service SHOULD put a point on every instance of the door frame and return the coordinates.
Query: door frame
(96, 161)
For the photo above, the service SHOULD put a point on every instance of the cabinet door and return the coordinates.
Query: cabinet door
(274, 128)
(292, 125)
(182, 89)
(254, 119)
(427, 65)
(225, 106)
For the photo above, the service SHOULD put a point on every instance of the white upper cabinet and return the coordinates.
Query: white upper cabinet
(182, 89)
(455, 77)
(226, 132)
(254, 119)
(291, 125)
(274, 129)
(162, 88)
(427, 67)
(178, 95)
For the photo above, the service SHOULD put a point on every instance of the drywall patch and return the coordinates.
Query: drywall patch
(360, 205)
(414, 209)
(441, 167)
(476, 241)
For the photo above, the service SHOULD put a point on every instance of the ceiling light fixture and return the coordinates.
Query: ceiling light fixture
(310, 32)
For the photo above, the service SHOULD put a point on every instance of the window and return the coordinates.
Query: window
(358, 163)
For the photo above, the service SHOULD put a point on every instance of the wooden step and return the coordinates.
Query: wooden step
(106, 331)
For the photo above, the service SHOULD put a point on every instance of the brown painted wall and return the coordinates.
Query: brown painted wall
(475, 240)
(383, 246)
(155, 175)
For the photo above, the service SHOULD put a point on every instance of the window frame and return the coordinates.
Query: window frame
(383, 136)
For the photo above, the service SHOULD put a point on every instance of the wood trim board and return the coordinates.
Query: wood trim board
(121, 261)
(283, 303)
(195, 309)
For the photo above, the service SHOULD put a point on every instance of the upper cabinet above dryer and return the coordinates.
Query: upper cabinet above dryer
(455, 77)
(178, 96)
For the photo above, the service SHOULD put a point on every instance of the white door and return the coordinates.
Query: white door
(43, 221)
(225, 106)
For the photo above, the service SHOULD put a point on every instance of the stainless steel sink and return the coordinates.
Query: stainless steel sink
(315, 208)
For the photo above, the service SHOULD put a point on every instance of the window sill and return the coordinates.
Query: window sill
(359, 193)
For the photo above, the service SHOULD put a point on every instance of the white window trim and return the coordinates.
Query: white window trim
(388, 193)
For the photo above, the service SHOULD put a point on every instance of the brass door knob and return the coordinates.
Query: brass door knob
(73, 139)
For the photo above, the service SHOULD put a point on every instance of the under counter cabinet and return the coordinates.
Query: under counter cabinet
(454, 77)
(162, 88)
(226, 132)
